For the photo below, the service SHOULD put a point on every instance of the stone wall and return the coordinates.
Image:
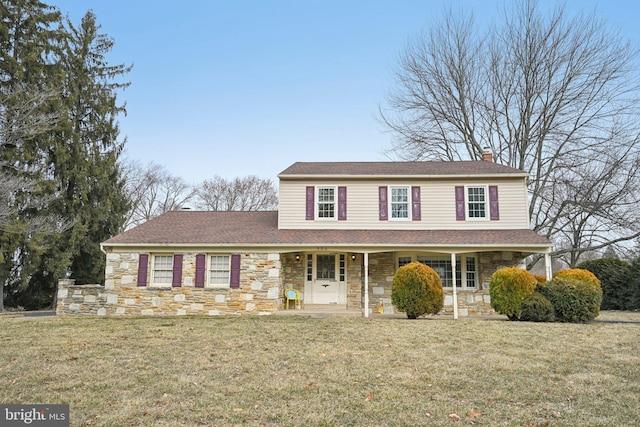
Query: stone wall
(260, 291)
(81, 299)
(470, 301)
(263, 278)
(382, 268)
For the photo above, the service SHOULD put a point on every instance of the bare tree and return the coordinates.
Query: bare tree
(552, 95)
(239, 194)
(152, 191)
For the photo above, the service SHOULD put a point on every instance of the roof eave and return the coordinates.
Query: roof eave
(401, 176)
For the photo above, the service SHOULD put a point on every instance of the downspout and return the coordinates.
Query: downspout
(455, 286)
(366, 284)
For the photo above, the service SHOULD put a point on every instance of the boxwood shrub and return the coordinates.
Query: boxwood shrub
(573, 300)
(417, 290)
(508, 288)
(537, 308)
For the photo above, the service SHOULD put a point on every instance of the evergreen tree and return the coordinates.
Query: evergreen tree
(73, 166)
(84, 157)
(30, 36)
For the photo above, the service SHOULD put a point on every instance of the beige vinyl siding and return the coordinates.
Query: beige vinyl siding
(437, 202)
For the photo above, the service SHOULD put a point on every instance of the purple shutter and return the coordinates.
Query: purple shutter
(201, 261)
(416, 208)
(460, 203)
(309, 207)
(382, 203)
(177, 271)
(143, 267)
(342, 203)
(235, 271)
(494, 208)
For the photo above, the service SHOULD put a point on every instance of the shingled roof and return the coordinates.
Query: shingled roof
(250, 229)
(396, 169)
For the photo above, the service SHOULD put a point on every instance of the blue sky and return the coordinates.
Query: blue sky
(237, 88)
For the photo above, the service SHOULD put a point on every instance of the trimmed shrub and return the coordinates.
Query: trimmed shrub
(541, 279)
(584, 276)
(417, 290)
(508, 288)
(537, 308)
(616, 281)
(573, 300)
(578, 274)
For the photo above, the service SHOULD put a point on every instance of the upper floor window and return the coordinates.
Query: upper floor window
(477, 202)
(162, 271)
(326, 205)
(399, 202)
(326, 202)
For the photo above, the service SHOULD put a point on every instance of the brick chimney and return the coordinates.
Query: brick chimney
(486, 155)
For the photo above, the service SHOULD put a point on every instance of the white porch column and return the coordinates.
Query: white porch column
(548, 268)
(455, 286)
(366, 284)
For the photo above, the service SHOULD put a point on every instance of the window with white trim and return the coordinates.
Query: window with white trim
(444, 269)
(471, 273)
(162, 272)
(404, 260)
(477, 202)
(399, 202)
(219, 271)
(466, 268)
(326, 202)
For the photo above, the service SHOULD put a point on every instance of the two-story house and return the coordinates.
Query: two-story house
(341, 232)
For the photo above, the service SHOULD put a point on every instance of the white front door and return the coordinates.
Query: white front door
(327, 285)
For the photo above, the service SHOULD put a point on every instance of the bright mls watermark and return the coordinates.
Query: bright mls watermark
(34, 415)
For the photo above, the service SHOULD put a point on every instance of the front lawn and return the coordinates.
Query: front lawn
(293, 371)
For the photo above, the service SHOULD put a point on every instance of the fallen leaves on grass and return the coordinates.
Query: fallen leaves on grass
(473, 414)
(454, 417)
(369, 397)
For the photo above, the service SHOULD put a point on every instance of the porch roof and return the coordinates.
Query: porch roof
(260, 229)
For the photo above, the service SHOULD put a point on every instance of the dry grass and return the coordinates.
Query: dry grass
(290, 371)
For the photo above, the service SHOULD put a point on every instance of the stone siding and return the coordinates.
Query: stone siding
(260, 291)
(470, 302)
(263, 278)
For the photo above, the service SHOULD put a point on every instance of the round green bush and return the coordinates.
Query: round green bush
(585, 276)
(508, 288)
(417, 290)
(537, 308)
(573, 300)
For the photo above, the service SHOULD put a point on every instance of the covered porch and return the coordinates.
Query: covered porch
(357, 280)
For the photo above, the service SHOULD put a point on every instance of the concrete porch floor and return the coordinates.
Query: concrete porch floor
(323, 311)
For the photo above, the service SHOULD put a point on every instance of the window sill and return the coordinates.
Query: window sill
(217, 287)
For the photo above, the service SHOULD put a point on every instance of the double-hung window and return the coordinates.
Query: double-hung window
(399, 202)
(162, 272)
(466, 268)
(477, 202)
(326, 203)
(219, 268)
